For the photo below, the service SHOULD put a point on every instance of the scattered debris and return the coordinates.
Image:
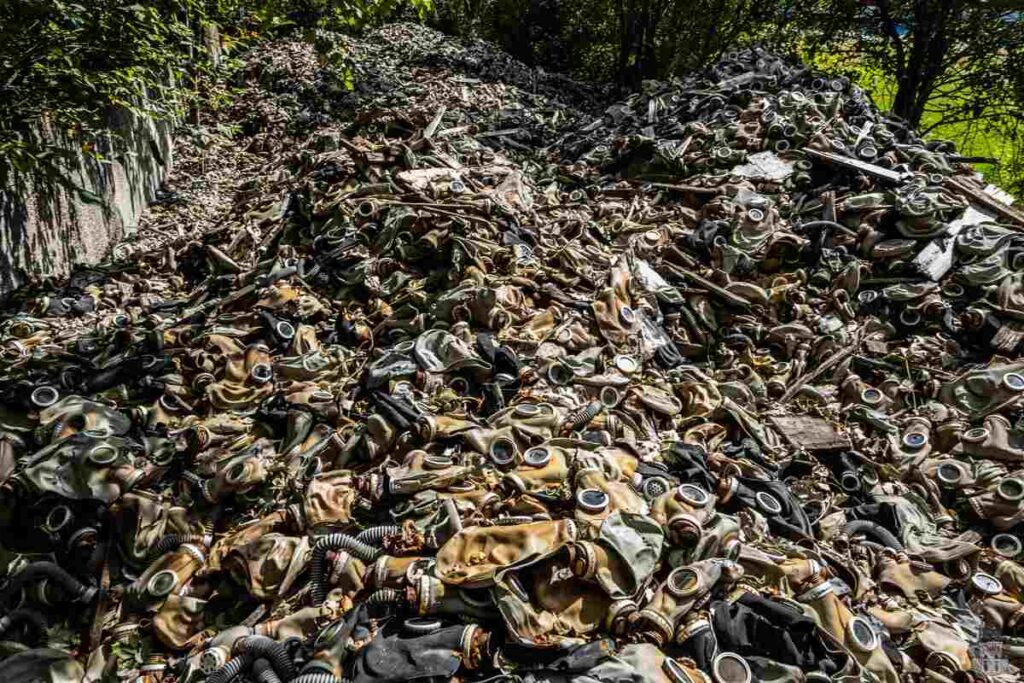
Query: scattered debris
(465, 380)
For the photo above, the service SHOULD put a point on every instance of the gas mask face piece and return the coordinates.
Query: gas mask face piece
(85, 466)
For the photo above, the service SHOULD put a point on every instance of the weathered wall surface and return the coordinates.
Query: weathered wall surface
(47, 230)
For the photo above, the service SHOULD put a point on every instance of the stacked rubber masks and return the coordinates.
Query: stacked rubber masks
(719, 388)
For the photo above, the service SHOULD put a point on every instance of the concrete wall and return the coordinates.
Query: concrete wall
(46, 228)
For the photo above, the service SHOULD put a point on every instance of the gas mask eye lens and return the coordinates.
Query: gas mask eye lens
(949, 473)
(683, 582)
(986, 584)
(1014, 381)
(592, 500)
(44, 397)
(103, 454)
(871, 396)
(285, 329)
(503, 451)
(526, 410)
(862, 636)
(768, 502)
(850, 482)
(627, 315)
(1011, 489)
(1007, 545)
(537, 456)
(693, 494)
(914, 440)
(261, 373)
(162, 583)
(976, 435)
(729, 667)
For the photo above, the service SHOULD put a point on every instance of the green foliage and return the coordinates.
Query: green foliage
(66, 66)
(953, 67)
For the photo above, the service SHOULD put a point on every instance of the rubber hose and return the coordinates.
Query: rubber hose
(263, 672)
(513, 520)
(375, 534)
(385, 596)
(873, 530)
(55, 573)
(231, 669)
(275, 652)
(316, 677)
(172, 541)
(364, 552)
(33, 620)
(582, 417)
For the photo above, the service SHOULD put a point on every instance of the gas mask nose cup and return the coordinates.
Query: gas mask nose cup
(593, 501)
(861, 635)
(627, 315)
(729, 667)
(1006, 545)
(654, 487)
(1014, 381)
(768, 503)
(102, 454)
(683, 582)
(261, 373)
(284, 329)
(849, 482)
(949, 473)
(44, 397)
(871, 397)
(914, 440)
(538, 456)
(1011, 489)
(503, 451)
(692, 494)
(162, 583)
(59, 517)
(975, 435)
(986, 584)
